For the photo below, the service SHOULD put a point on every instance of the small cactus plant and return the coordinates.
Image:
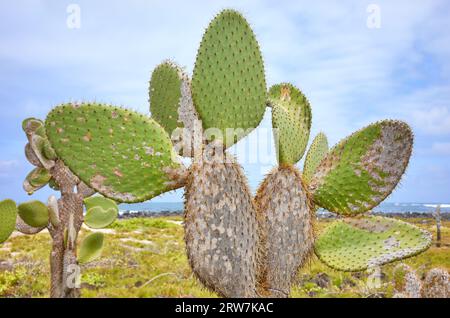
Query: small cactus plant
(436, 283)
(62, 217)
(237, 245)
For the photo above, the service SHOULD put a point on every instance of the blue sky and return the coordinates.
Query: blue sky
(352, 74)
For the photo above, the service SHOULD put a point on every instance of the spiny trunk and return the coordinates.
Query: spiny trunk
(56, 266)
(286, 230)
(63, 262)
(221, 228)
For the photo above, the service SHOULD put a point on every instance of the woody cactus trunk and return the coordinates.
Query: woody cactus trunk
(239, 245)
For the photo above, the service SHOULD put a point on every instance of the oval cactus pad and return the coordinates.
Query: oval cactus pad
(119, 153)
(291, 120)
(317, 151)
(228, 85)
(8, 216)
(165, 95)
(100, 212)
(363, 169)
(91, 248)
(355, 244)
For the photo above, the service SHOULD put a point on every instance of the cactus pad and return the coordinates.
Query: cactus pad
(291, 120)
(33, 126)
(100, 212)
(165, 95)
(363, 169)
(228, 85)
(286, 230)
(355, 244)
(36, 179)
(8, 215)
(220, 228)
(119, 153)
(317, 151)
(91, 248)
(41, 148)
(171, 104)
(34, 213)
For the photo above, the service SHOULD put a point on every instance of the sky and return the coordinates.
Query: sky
(356, 61)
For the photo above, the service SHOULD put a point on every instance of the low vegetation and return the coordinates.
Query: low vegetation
(145, 257)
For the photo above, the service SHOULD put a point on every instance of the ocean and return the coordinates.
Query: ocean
(388, 207)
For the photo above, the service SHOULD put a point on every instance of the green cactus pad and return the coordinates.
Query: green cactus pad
(291, 120)
(42, 150)
(91, 248)
(165, 94)
(100, 212)
(36, 179)
(8, 215)
(34, 213)
(228, 85)
(119, 153)
(33, 126)
(317, 151)
(363, 169)
(355, 244)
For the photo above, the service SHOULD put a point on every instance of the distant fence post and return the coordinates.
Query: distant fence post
(437, 216)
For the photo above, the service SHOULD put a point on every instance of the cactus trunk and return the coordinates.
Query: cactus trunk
(286, 230)
(221, 228)
(63, 262)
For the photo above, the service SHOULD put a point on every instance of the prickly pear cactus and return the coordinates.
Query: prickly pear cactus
(407, 284)
(128, 152)
(236, 246)
(436, 284)
(229, 91)
(317, 151)
(291, 121)
(355, 244)
(8, 215)
(363, 169)
(228, 85)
